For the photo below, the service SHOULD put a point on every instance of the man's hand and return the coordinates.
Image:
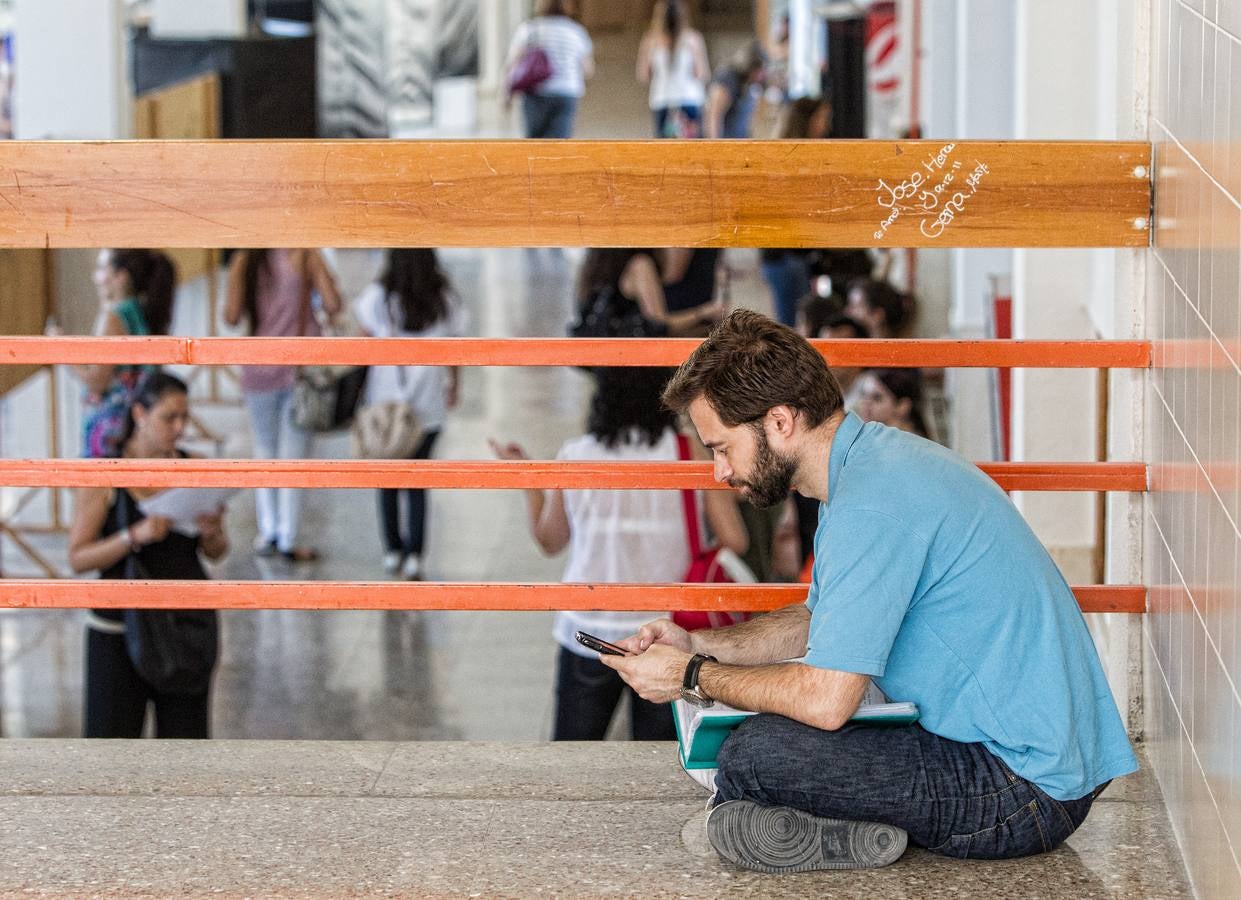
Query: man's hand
(661, 631)
(657, 673)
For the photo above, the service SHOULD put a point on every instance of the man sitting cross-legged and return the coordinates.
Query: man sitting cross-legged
(926, 580)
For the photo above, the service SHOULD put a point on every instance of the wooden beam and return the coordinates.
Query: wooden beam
(551, 352)
(484, 475)
(25, 303)
(574, 193)
(655, 598)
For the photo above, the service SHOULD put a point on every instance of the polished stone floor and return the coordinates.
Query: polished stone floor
(294, 818)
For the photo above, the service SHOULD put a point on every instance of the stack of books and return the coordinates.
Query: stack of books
(700, 732)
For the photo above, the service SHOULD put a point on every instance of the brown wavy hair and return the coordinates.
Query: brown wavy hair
(749, 364)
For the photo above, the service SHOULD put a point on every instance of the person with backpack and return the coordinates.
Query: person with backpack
(411, 299)
(273, 292)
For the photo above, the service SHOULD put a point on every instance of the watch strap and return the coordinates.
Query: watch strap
(691, 670)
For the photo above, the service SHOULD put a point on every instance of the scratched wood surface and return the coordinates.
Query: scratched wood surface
(574, 193)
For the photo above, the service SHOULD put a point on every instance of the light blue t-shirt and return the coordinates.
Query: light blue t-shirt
(928, 579)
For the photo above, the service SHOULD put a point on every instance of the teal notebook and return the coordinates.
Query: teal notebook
(700, 732)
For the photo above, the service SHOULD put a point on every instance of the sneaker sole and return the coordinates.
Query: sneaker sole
(779, 839)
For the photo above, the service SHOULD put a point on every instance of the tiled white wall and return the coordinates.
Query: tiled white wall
(1193, 645)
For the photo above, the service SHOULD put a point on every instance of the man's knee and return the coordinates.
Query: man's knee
(757, 752)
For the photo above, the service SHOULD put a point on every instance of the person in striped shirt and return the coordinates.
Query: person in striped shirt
(550, 107)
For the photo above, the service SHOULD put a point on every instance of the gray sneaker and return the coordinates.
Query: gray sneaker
(779, 839)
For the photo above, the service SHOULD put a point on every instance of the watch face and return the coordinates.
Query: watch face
(695, 699)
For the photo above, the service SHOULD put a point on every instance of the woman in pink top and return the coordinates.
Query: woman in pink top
(272, 290)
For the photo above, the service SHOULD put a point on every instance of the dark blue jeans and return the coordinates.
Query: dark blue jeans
(410, 539)
(549, 116)
(954, 799)
(587, 694)
(789, 280)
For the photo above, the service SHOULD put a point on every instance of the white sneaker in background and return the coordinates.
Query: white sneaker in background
(392, 561)
(412, 570)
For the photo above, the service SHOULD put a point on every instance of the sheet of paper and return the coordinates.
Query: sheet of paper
(184, 505)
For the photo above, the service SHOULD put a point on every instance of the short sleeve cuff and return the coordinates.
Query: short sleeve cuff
(826, 660)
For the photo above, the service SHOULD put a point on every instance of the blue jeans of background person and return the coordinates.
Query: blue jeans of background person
(954, 799)
(548, 116)
(587, 694)
(692, 114)
(410, 540)
(789, 280)
(276, 436)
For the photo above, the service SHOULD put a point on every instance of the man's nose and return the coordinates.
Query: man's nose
(722, 471)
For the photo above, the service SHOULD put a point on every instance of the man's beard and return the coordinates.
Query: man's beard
(771, 478)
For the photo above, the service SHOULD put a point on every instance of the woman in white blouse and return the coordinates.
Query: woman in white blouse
(411, 299)
(672, 59)
(618, 536)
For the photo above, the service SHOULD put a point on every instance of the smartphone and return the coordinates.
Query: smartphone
(599, 645)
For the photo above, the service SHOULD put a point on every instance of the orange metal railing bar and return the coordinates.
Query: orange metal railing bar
(485, 475)
(551, 352)
(70, 594)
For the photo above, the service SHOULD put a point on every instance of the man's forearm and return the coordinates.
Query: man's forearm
(821, 698)
(773, 637)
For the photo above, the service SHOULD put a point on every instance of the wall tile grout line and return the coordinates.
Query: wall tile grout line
(1207, 631)
(1194, 750)
(1215, 25)
(1214, 491)
(1236, 365)
(1188, 155)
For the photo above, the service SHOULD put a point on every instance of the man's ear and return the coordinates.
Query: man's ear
(781, 422)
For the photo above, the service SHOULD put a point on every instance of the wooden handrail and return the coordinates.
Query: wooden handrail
(72, 594)
(551, 352)
(485, 475)
(230, 193)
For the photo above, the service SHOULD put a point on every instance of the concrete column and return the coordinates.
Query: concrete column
(495, 30)
(70, 77)
(1053, 411)
(807, 49)
(200, 18)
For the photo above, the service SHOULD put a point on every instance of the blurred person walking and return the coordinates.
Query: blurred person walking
(733, 93)
(672, 59)
(274, 292)
(550, 59)
(411, 299)
(136, 291)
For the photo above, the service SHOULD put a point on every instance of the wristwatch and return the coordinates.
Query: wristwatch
(690, 691)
